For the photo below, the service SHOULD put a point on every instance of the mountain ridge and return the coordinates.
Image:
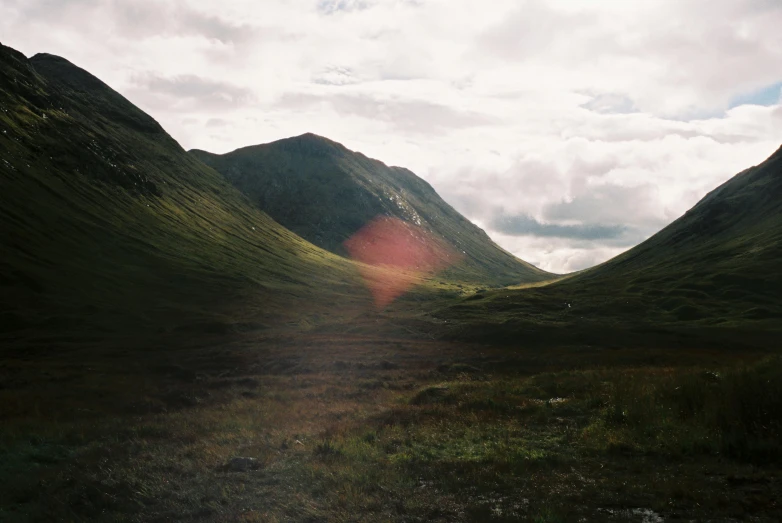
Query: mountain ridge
(713, 276)
(111, 231)
(150, 237)
(326, 192)
(79, 82)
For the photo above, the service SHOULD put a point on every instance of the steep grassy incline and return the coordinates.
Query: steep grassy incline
(724, 254)
(324, 192)
(731, 240)
(109, 229)
(719, 265)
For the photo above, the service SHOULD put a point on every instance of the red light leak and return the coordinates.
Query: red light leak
(406, 252)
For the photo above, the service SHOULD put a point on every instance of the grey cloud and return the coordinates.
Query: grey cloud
(217, 122)
(617, 127)
(524, 186)
(147, 19)
(329, 7)
(607, 215)
(334, 6)
(142, 18)
(139, 19)
(724, 51)
(583, 169)
(51, 9)
(583, 260)
(214, 27)
(529, 177)
(335, 75)
(456, 188)
(711, 50)
(611, 103)
(527, 201)
(739, 56)
(533, 28)
(404, 115)
(524, 225)
(731, 138)
(609, 203)
(207, 93)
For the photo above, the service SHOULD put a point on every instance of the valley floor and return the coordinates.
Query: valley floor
(355, 428)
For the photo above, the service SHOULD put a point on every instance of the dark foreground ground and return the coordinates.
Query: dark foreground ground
(362, 429)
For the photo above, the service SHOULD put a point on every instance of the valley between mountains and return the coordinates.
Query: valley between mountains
(295, 332)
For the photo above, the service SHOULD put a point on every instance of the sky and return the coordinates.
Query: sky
(569, 130)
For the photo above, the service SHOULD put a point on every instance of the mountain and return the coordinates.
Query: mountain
(720, 263)
(110, 230)
(728, 245)
(715, 274)
(324, 192)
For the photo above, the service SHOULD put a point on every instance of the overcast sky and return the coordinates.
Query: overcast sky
(570, 130)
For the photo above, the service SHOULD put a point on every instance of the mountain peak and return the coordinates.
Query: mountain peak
(325, 193)
(314, 138)
(310, 144)
(66, 72)
(14, 65)
(86, 91)
(49, 56)
(10, 51)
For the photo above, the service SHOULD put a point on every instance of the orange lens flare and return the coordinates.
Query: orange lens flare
(396, 255)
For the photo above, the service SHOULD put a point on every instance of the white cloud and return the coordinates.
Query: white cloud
(578, 126)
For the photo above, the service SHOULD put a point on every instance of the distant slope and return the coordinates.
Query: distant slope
(719, 265)
(324, 192)
(108, 228)
(726, 249)
(732, 239)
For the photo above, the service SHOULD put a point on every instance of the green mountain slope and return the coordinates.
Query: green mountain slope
(109, 229)
(324, 192)
(729, 243)
(716, 269)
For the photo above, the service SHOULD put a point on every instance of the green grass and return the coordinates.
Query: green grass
(732, 413)
(356, 429)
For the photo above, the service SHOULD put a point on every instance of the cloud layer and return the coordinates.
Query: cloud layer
(569, 129)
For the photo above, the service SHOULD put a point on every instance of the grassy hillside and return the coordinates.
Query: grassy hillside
(324, 192)
(729, 245)
(713, 272)
(109, 229)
